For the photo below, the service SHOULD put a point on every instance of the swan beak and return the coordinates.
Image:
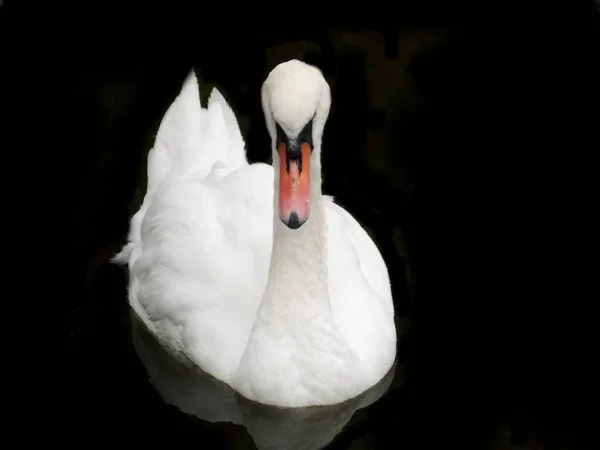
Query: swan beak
(294, 183)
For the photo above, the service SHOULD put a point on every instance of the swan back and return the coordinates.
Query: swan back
(191, 139)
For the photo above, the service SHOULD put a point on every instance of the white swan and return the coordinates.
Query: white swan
(290, 309)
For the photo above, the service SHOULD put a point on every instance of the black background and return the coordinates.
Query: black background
(504, 140)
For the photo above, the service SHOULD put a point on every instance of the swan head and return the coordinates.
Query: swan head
(296, 100)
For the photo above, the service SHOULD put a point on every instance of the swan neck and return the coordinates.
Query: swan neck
(299, 260)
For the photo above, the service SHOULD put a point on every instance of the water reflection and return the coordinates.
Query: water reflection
(194, 392)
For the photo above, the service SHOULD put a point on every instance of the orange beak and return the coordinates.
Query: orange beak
(294, 186)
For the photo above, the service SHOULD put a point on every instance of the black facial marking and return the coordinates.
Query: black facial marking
(306, 134)
(292, 146)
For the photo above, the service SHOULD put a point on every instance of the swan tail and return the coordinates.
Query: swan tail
(191, 139)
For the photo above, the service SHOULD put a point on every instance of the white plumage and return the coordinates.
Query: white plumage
(286, 317)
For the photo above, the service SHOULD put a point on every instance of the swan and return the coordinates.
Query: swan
(248, 270)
